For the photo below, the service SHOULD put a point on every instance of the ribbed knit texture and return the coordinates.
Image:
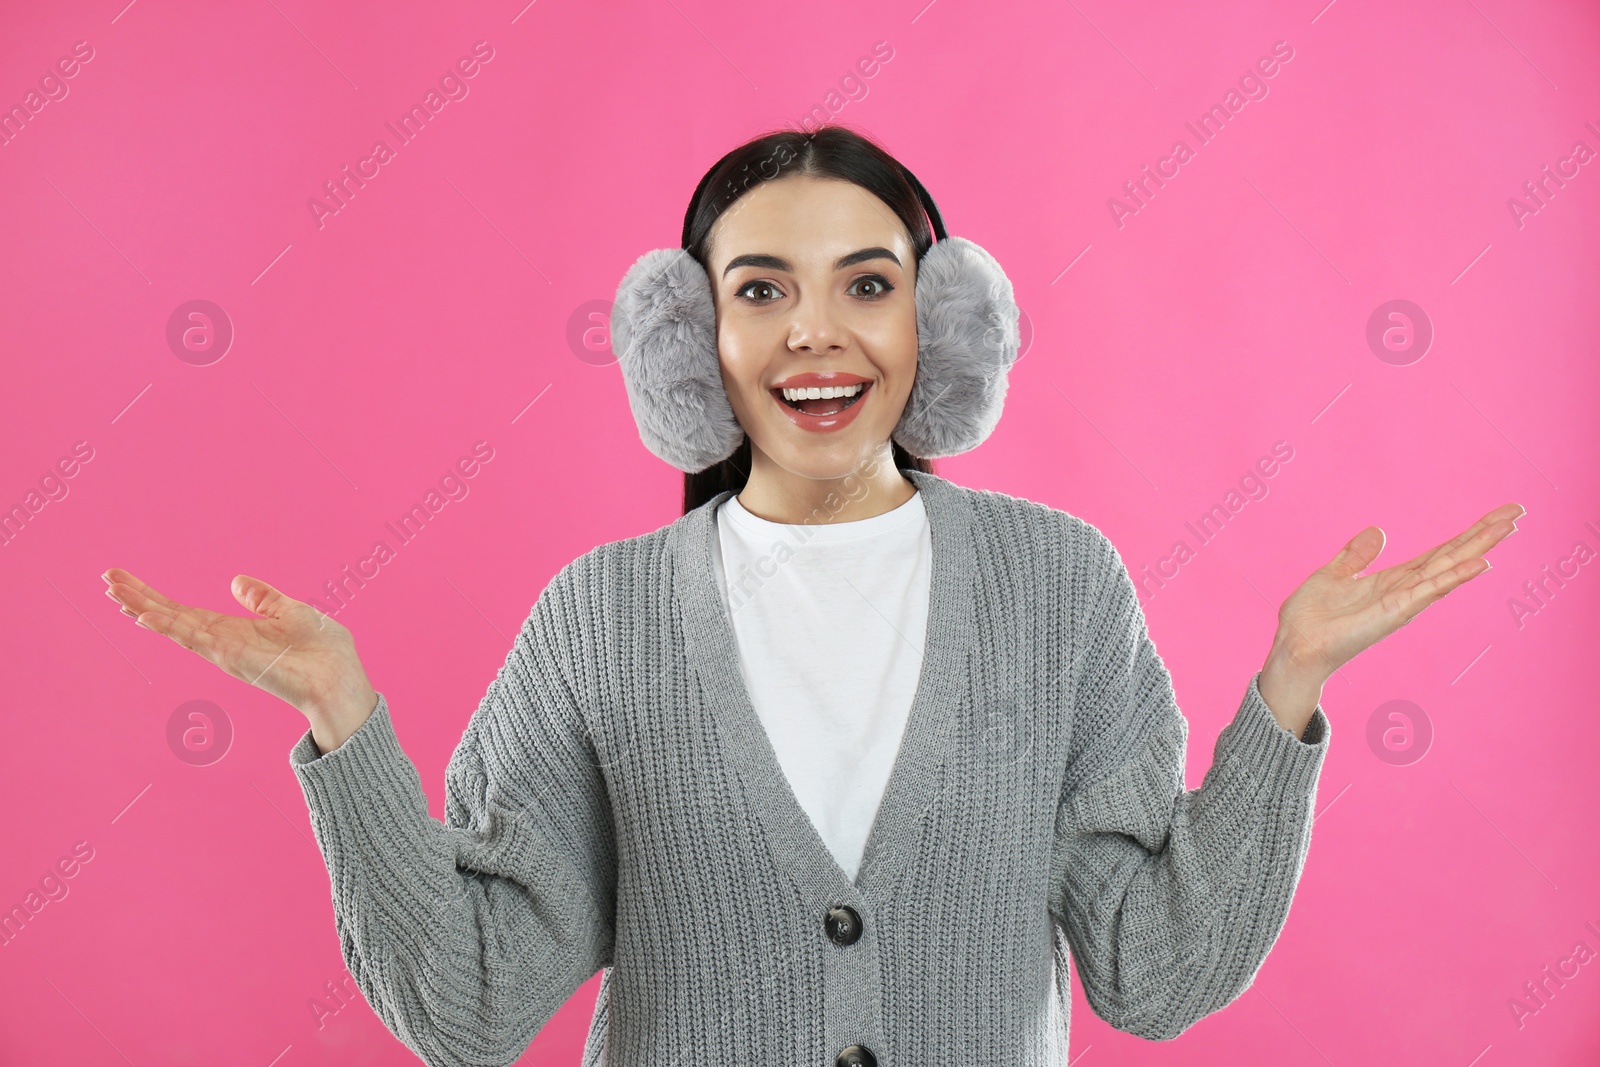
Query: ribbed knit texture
(614, 803)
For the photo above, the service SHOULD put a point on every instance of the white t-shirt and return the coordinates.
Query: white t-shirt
(830, 620)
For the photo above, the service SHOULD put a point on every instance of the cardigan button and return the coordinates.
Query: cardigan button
(843, 926)
(856, 1056)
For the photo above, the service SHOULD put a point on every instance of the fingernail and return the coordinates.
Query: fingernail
(106, 577)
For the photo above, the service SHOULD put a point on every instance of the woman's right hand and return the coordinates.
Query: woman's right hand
(289, 648)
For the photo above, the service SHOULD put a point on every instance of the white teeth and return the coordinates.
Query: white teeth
(826, 392)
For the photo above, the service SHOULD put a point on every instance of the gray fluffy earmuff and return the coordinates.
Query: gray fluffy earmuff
(664, 334)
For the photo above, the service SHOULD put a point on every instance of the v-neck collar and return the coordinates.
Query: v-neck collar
(919, 767)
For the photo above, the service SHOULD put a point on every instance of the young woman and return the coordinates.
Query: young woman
(846, 764)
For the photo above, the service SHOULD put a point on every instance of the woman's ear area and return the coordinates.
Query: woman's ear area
(967, 340)
(663, 332)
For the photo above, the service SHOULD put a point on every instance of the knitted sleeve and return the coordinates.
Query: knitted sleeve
(1170, 898)
(466, 936)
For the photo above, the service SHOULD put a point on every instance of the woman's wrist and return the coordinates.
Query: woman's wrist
(1291, 684)
(333, 721)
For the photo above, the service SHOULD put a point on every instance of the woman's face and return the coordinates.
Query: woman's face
(814, 281)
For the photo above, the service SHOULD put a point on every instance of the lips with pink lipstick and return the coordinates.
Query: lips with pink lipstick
(820, 396)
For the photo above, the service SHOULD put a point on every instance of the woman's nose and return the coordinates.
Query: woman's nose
(816, 327)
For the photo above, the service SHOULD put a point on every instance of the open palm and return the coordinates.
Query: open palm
(288, 648)
(1338, 611)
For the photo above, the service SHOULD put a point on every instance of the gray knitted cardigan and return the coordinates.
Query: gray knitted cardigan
(614, 804)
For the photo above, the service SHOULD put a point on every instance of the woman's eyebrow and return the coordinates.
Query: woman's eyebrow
(771, 262)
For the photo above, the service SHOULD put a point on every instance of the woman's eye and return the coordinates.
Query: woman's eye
(882, 286)
(759, 292)
(748, 286)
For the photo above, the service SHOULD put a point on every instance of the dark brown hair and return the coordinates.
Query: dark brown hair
(827, 152)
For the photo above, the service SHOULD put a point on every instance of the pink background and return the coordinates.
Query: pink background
(372, 352)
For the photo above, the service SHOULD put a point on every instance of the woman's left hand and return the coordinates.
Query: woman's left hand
(1338, 612)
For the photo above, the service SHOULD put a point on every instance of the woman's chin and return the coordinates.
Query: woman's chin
(838, 456)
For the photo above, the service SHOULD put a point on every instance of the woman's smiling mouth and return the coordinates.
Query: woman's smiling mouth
(821, 402)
